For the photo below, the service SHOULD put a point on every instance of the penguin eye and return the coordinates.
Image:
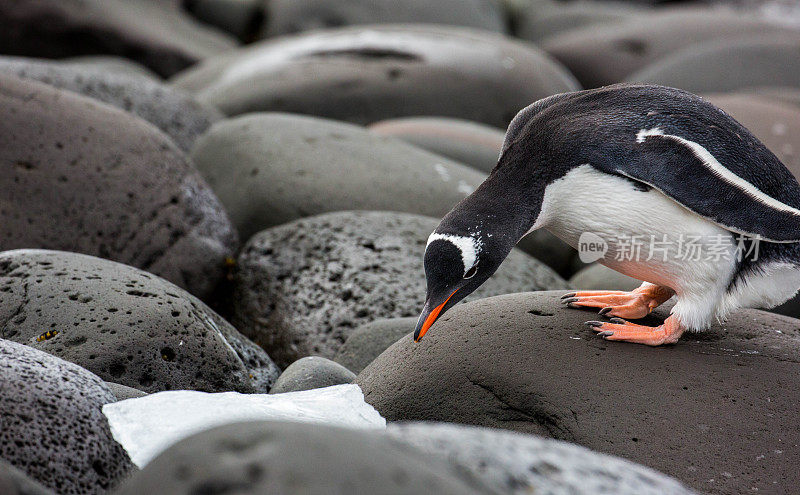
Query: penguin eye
(471, 272)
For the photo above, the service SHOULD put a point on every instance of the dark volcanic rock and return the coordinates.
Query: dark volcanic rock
(161, 38)
(606, 54)
(294, 458)
(122, 392)
(474, 144)
(52, 426)
(311, 372)
(125, 325)
(292, 166)
(524, 362)
(15, 482)
(303, 287)
(177, 114)
(366, 74)
(85, 177)
(370, 340)
(292, 16)
(728, 65)
(518, 464)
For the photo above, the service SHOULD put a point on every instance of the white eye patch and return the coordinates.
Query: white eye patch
(468, 246)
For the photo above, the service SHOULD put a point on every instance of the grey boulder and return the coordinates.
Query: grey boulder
(110, 63)
(524, 362)
(163, 39)
(124, 325)
(605, 54)
(371, 73)
(601, 277)
(86, 177)
(518, 464)
(471, 143)
(269, 169)
(728, 65)
(241, 18)
(293, 458)
(15, 482)
(123, 392)
(177, 114)
(368, 341)
(542, 19)
(312, 372)
(292, 16)
(52, 426)
(303, 287)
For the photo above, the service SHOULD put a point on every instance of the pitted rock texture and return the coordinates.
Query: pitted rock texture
(368, 341)
(471, 143)
(728, 65)
(51, 426)
(372, 73)
(525, 362)
(270, 457)
(292, 16)
(85, 177)
(177, 114)
(15, 482)
(164, 39)
(302, 288)
(311, 372)
(605, 54)
(124, 325)
(518, 464)
(269, 169)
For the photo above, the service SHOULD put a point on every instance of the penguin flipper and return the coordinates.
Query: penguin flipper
(691, 176)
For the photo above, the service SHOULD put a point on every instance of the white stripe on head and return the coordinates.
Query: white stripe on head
(719, 170)
(468, 246)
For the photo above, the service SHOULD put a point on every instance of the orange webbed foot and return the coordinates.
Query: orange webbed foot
(624, 331)
(635, 304)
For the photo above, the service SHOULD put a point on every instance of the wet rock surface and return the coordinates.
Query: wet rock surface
(312, 372)
(53, 430)
(125, 325)
(178, 115)
(303, 287)
(86, 177)
(524, 362)
(275, 457)
(366, 74)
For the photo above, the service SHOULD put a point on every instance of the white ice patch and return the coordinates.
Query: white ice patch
(465, 188)
(719, 170)
(146, 426)
(468, 246)
(442, 171)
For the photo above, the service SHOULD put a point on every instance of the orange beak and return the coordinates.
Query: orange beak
(430, 319)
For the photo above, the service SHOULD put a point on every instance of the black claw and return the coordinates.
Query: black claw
(568, 295)
(605, 311)
(605, 334)
(618, 321)
(594, 324)
(570, 300)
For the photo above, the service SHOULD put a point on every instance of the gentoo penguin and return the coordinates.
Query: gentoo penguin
(716, 214)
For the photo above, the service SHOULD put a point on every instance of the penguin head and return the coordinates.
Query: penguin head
(455, 265)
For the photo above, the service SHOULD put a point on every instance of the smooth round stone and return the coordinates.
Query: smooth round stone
(471, 143)
(525, 362)
(312, 372)
(271, 457)
(542, 19)
(52, 426)
(125, 325)
(606, 54)
(601, 277)
(303, 287)
(163, 39)
(518, 464)
(372, 73)
(293, 16)
(241, 18)
(779, 93)
(177, 114)
(15, 482)
(550, 250)
(292, 166)
(775, 123)
(123, 392)
(728, 65)
(110, 63)
(85, 177)
(368, 341)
